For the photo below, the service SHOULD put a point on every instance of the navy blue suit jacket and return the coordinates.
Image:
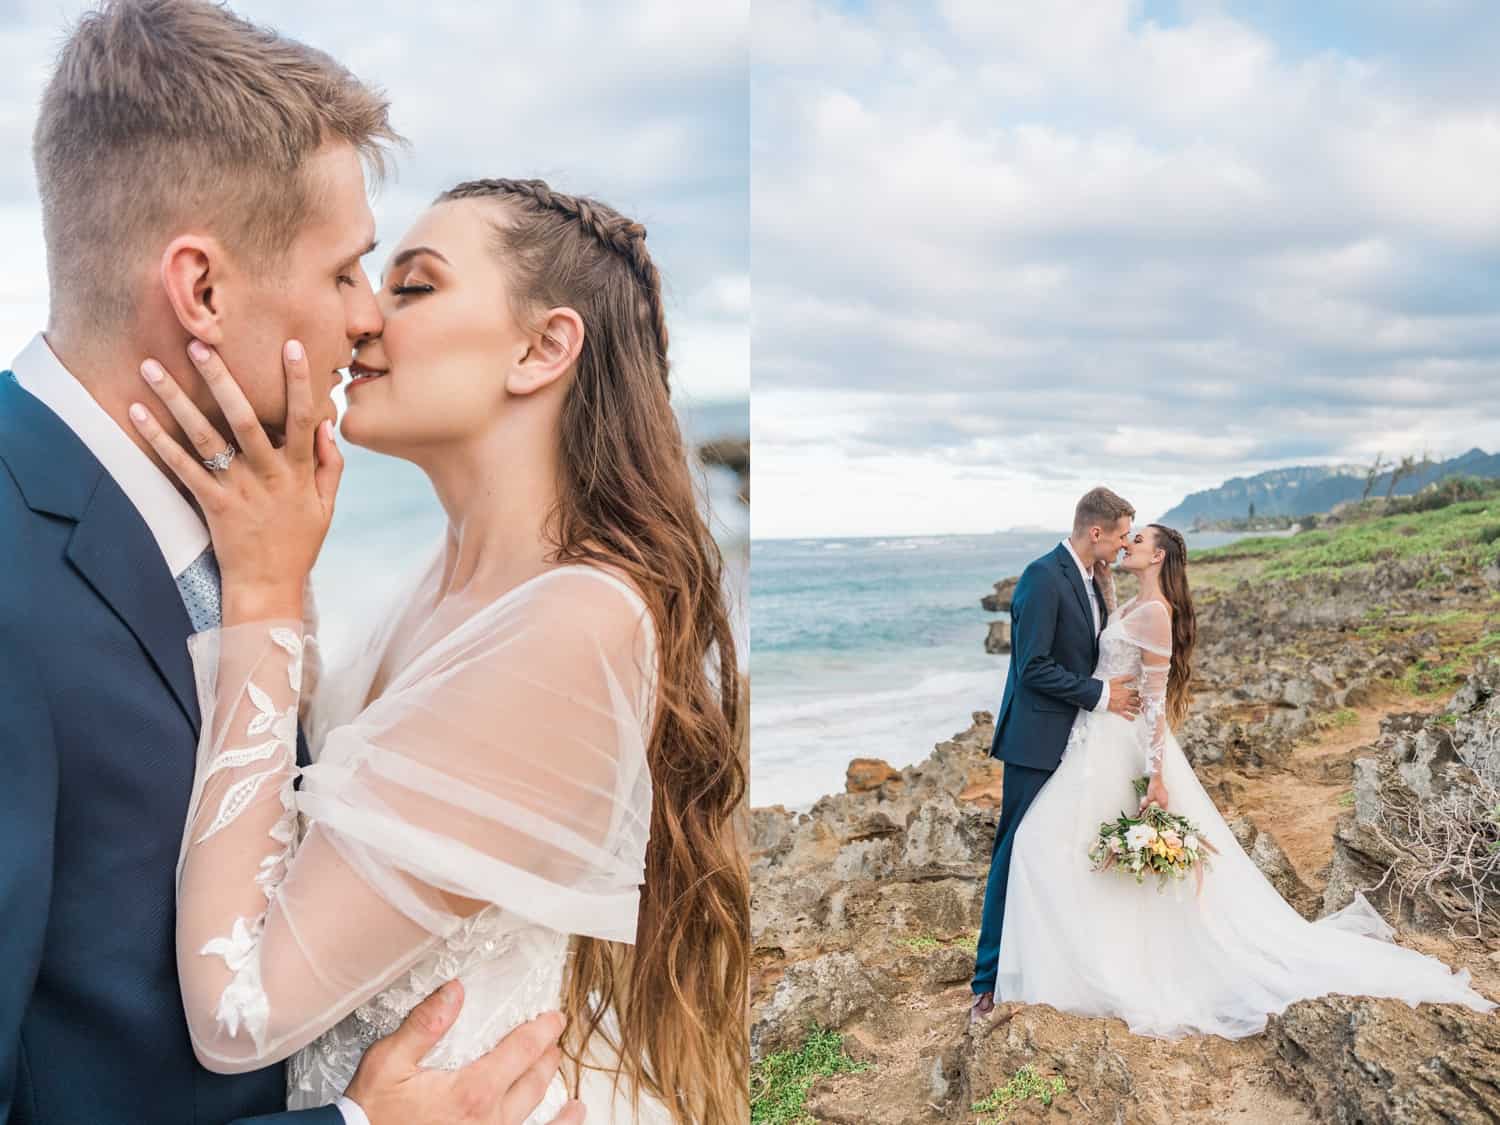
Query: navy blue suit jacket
(1052, 656)
(98, 730)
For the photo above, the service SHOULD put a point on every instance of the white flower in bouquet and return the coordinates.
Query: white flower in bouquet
(1191, 843)
(1139, 836)
(1115, 845)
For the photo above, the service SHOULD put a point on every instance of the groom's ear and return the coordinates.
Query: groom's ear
(191, 271)
(552, 351)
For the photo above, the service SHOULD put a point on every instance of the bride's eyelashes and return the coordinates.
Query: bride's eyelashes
(411, 290)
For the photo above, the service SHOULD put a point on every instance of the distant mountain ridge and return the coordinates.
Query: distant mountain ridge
(1310, 489)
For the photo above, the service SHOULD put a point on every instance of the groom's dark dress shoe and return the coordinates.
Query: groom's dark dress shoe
(984, 1004)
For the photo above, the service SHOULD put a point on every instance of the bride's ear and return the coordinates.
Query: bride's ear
(554, 348)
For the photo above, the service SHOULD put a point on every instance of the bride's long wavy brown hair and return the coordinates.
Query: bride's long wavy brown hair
(627, 500)
(1174, 584)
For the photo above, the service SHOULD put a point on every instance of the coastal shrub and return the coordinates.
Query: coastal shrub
(779, 1083)
(1451, 854)
(1446, 537)
(1449, 847)
(1024, 1085)
(1440, 494)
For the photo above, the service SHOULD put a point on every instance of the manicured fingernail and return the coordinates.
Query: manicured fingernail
(293, 351)
(448, 994)
(198, 350)
(327, 429)
(554, 1022)
(152, 371)
(137, 412)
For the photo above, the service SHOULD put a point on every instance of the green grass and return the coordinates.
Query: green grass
(1462, 535)
(779, 1083)
(1346, 717)
(1346, 800)
(1426, 677)
(921, 944)
(926, 943)
(1490, 640)
(1025, 1085)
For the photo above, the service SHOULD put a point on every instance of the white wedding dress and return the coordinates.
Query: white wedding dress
(490, 801)
(1174, 963)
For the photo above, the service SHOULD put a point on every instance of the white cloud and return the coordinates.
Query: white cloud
(1049, 239)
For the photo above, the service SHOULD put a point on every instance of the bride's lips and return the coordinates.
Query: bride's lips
(360, 374)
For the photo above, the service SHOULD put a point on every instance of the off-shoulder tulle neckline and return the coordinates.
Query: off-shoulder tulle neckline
(479, 615)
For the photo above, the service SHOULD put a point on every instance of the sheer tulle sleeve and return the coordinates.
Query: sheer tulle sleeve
(1149, 628)
(505, 765)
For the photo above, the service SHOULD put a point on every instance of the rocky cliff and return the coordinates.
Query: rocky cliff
(1348, 724)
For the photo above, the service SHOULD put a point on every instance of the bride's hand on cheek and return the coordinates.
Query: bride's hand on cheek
(268, 512)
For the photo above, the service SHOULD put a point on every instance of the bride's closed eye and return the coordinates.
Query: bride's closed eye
(410, 290)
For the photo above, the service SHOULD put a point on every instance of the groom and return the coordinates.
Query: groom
(200, 177)
(1057, 614)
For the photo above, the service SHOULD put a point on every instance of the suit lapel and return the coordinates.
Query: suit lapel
(114, 550)
(111, 546)
(1080, 591)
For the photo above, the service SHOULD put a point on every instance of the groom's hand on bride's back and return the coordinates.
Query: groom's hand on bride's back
(1124, 698)
(501, 1088)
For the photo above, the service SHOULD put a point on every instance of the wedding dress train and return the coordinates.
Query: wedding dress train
(491, 801)
(1174, 963)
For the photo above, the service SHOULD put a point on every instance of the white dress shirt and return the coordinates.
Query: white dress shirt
(175, 525)
(1088, 588)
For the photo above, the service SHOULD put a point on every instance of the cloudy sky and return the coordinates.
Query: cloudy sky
(1003, 252)
(643, 104)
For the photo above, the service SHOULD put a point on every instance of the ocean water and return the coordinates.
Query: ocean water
(388, 524)
(872, 648)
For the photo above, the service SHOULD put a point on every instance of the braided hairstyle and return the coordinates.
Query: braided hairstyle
(1174, 585)
(627, 500)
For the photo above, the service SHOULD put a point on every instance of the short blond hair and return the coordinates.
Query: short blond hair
(1100, 507)
(162, 111)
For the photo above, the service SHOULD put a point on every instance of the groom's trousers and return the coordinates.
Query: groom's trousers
(1018, 788)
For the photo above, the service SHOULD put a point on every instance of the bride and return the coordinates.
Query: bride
(526, 780)
(1173, 964)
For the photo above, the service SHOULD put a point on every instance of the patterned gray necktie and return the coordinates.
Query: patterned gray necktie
(199, 586)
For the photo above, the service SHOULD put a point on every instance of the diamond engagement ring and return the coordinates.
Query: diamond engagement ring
(220, 461)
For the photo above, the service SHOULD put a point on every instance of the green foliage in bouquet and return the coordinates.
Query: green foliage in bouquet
(1154, 842)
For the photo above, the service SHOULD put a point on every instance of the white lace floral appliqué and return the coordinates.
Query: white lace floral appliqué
(244, 1002)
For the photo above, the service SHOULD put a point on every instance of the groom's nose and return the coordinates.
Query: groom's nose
(364, 317)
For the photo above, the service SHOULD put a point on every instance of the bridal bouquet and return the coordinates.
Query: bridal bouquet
(1154, 842)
